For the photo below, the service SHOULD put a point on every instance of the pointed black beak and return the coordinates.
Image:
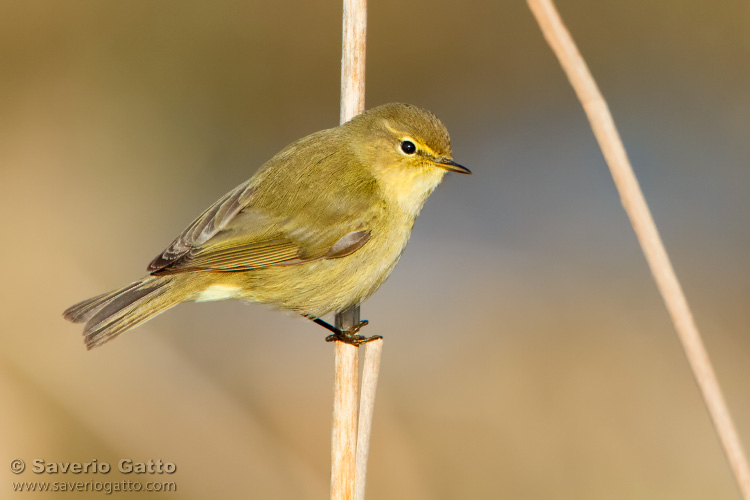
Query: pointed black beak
(451, 166)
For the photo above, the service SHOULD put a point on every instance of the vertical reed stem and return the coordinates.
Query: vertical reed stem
(353, 59)
(344, 435)
(366, 409)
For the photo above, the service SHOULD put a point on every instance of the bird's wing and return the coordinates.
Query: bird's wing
(205, 227)
(253, 240)
(267, 222)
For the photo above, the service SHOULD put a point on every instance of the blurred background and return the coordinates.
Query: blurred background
(528, 353)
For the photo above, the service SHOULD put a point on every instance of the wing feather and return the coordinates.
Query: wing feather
(206, 226)
(243, 257)
(286, 214)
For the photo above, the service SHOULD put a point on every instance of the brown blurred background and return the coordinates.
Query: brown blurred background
(527, 355)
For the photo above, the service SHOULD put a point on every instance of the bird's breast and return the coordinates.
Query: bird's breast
(406, 190)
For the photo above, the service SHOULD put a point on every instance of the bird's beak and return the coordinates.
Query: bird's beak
(451, 166)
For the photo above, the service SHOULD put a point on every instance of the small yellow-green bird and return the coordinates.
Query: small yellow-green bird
(316, 230)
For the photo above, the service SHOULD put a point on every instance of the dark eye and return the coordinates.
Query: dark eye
(408, 147)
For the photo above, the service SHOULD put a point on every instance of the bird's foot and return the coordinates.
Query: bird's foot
(351, 336)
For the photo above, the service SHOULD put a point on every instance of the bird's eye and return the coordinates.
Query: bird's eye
(408, 147)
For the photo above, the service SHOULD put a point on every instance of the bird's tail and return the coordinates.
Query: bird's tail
(110, 314)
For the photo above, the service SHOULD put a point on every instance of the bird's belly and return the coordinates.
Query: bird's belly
(217, 292)
(322, 286)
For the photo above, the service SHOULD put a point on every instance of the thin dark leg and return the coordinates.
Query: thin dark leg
(348, 336)
(325, 325)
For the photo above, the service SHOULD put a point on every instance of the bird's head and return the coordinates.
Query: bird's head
(408, 150)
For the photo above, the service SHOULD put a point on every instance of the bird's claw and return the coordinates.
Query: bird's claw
(351, 336)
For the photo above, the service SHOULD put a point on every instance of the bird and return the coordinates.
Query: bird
(317, 229)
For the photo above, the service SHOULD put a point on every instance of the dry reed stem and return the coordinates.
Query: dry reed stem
(366, 408)
(632, 199)
(344, 435)
(343, 438)
(353, 59)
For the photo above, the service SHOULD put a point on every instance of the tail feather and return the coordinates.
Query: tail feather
(110, 314)
(83, 311)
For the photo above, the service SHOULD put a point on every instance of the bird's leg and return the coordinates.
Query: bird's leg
(349, 336)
